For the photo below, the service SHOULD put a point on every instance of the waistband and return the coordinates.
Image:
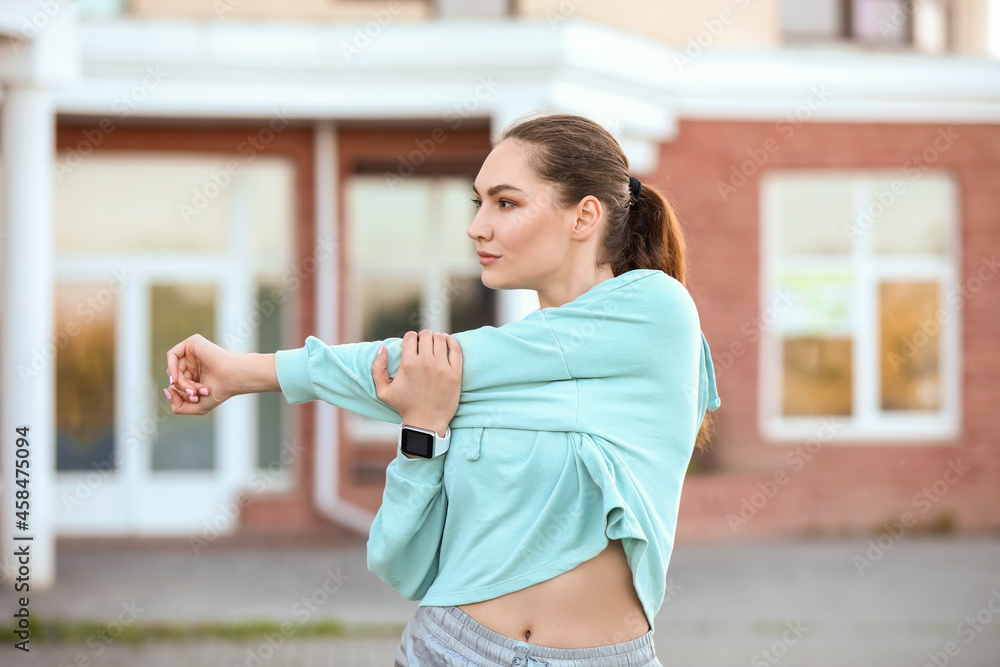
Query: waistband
(479, 644)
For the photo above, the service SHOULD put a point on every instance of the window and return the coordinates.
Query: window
(860, 291)
(155, 233)
(869, 22)
(412, 265)
(85, 379)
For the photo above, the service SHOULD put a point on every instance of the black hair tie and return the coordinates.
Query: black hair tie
(634, 187)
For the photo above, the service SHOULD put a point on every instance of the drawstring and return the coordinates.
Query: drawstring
(524, 656)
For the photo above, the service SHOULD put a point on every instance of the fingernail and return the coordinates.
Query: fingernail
(190, 391)
(194, 399)
(167, 392)
(171, 378)
(380, 348)
(203, 391)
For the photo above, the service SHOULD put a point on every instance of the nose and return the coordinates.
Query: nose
(478, 228)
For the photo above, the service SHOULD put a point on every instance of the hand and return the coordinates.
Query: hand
(428, 383)
(201, 374)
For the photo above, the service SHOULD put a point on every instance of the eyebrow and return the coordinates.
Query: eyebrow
(496, 189)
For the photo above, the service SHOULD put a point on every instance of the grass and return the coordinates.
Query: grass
(104, 632)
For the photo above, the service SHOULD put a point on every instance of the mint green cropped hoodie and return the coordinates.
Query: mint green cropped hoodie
(575, 426)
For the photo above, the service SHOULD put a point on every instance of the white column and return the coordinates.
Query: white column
(235, 425)
(327, 252)
(28, 353)
(512, 305)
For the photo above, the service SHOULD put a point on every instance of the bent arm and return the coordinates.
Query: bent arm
(405, 538)
(506, 376)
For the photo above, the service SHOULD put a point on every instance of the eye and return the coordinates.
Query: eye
(506, 201)
(477, 202)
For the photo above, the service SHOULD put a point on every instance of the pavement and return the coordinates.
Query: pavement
(912, 601)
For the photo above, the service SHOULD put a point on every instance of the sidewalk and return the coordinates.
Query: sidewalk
(818, 603)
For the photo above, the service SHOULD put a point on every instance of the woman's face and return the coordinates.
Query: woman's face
(518, 220)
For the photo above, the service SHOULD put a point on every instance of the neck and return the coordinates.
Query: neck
(566, 288)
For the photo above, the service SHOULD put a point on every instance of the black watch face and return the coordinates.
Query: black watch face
(416, 443)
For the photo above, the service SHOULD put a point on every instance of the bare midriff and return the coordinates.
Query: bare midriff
(594, 604)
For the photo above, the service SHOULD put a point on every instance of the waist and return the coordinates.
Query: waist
(594, 604)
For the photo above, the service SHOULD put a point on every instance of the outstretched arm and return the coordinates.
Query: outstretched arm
(518, 375)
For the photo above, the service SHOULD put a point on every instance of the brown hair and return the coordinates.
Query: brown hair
(580, 158)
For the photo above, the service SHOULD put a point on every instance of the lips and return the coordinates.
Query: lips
(486, 254)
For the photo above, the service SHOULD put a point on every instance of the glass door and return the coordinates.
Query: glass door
(151, 249)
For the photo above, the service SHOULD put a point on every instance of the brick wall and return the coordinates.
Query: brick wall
(857, 486)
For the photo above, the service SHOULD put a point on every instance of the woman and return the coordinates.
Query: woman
(545, 530)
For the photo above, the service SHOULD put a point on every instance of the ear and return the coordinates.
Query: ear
(587, 216)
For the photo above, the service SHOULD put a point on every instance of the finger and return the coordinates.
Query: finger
(174, 355)
(454, 353)
(188, 371)
(180, 404)
(409, 346)
(177, 403)
(440, 346)
(181, 375)
(183, 379)
(195, 388)
(380, 372)
(426, 343)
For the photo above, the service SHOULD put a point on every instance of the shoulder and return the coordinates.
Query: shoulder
(659, 295)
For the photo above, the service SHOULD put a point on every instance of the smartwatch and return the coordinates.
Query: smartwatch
(422, 442)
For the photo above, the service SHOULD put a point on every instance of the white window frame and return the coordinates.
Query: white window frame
(432, 276)
(867, 422)
(135, 499)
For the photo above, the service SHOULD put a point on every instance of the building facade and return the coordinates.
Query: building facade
(239, 169)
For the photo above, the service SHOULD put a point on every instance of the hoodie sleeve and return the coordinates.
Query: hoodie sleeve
(514, 374)
(520, 375)
(404, 542)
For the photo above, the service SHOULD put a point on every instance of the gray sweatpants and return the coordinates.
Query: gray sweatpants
(448, 637)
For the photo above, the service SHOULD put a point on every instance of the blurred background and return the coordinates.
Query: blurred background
(258, 172)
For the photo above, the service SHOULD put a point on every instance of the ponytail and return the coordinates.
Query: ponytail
(650, 237)
(581, 158)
